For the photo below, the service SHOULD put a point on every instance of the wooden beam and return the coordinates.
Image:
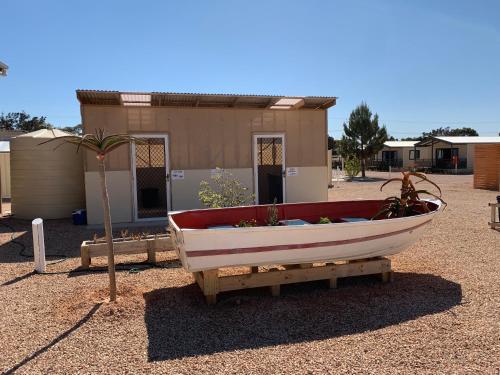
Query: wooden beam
(290, 276)
(211, 285)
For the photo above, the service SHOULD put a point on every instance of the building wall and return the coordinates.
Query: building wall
(471, 150)
(5, 174)
(45, 182)
(403, 153)
(202, 139)
(487, 166)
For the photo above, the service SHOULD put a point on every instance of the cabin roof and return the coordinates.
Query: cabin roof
(458, 140)
(400, 143)
(170, 99)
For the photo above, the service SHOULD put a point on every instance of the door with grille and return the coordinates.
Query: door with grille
(151, 175)
(269, 168)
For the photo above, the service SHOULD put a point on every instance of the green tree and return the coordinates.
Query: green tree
(77, 129)
(447, 131)
(363, 137)
(23, 121)
(102, 145)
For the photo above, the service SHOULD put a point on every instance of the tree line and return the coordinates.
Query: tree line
(22, 121)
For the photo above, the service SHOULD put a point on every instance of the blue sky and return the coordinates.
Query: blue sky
(418, 64)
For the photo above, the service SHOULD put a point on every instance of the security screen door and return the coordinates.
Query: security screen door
(269, 168)
(150, 167)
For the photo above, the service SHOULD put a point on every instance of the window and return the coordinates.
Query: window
(389, 155)
(414, 154)
(446, 153)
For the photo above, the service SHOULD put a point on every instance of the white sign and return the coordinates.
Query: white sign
(178, 174)
(292, 171)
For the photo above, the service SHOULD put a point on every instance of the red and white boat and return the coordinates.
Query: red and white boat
(208, 239)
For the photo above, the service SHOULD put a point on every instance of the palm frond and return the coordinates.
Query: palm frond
(97, 142)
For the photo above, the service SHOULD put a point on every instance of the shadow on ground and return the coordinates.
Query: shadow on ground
(371, 179)
(62, 238)
(55, 341)
(180, 324)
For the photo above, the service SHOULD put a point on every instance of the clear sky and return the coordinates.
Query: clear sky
(419, 64)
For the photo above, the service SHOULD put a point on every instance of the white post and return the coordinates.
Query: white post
(390, 171)
(38, 245)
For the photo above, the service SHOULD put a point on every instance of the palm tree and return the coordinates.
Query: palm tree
(102, 145)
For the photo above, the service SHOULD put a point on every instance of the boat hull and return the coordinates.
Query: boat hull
(202, 249)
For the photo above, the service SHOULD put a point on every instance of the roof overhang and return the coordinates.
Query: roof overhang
(427, 142)
(168, 99)
(457, 140)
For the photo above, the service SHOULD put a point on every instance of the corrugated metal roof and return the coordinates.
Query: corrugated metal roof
(459, 140)
(469, 139)
(400, 143)
(169, 99)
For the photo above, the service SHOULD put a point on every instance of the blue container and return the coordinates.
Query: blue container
(80, 217)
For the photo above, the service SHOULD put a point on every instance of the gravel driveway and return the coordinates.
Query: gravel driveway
(441, 314)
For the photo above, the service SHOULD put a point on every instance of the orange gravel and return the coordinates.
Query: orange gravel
(441, 314)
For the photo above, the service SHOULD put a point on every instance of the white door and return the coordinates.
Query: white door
(151, 177)
(269, 168)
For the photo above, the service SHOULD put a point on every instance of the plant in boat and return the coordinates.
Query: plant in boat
(324, 220)
(352, 166)
(102, 145)
(272, 215)
(224, 190)
(409, 203)
(247, 223)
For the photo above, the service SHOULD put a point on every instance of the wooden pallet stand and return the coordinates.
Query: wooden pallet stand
(150, 245)
(494, 224)
(211, 283)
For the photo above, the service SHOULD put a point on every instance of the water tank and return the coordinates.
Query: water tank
(46, 180)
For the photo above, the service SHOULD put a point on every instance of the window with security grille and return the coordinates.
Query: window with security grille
(151, 178)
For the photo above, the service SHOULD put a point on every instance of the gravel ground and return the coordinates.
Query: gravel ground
(440, 315)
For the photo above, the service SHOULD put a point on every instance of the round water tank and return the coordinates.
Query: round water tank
(46, 180)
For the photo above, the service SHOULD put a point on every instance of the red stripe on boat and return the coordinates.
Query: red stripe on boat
(259, 249)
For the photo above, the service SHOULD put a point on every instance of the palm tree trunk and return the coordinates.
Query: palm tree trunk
(109, 232)
(363, 167)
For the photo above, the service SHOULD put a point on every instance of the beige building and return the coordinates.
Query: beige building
(276, 146)
(397, 155)
(439, 153)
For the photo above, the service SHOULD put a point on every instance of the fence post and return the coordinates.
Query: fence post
(390, 171)
(38, 245)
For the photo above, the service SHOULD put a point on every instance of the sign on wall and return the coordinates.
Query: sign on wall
(178, 174)
(292, 171)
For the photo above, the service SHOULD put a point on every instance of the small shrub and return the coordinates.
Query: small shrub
(224, 190)
(247, 223)
(324, 220)
(352, 166)
(272, 215)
